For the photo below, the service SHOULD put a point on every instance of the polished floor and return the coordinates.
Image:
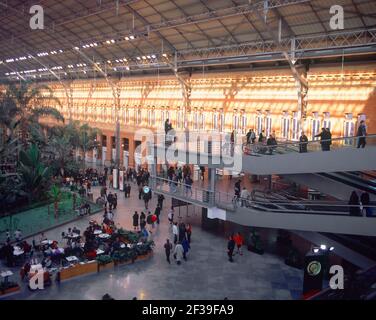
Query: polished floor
(206, 275)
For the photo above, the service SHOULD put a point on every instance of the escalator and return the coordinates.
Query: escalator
(366, 246)
(352, 180)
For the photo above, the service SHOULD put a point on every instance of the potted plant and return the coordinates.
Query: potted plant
(144, 250)
(105, 262)
(255, 244)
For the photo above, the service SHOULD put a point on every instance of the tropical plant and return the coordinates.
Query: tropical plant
(55, 194)
(104, 259)
(34, 175)
(23, 105)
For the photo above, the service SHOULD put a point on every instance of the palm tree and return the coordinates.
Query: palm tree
(35, 176)
(22, 106)
(55, 194)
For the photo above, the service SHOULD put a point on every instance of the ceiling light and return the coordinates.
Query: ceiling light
(143, 57)
(315, 250)
(164, 55)
(153, 56)
(112, 41)
(148, 57)
(131, 37)
(138, 58)
(108, 41)
(127, 38)
(331, 248)
(76, 48)
(108, 61)
(323, 247)
(127, 68)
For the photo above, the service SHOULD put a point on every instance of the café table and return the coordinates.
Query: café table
(104, 236)
(99, 252)
(71, 258)
(5, 275)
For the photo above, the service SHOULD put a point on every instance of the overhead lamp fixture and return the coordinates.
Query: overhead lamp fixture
(138, 58)
(112, 41)
(164, 55)
(127, 38)
(143, 57)
(153, 56)
(127, 68)
(108, 61)
(76, 48)
(316, 250)
(149, 57)
(131, 37)
(115, 69)
(125, 59)
(323, 247)
(108, 41)
(331, 248)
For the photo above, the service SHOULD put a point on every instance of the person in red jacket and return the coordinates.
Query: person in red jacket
(239, 241)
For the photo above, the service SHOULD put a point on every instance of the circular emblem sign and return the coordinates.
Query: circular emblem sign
(314, 268)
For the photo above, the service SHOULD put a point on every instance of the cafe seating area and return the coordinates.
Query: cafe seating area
(99, 248)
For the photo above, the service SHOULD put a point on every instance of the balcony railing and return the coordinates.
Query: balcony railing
(209, 198)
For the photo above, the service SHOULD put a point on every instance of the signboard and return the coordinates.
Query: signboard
(121, 180)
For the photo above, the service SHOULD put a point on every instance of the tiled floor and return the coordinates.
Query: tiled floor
(206, 275)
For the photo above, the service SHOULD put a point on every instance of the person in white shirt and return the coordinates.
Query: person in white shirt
(171, 215)
(244, 194)
(175, 232)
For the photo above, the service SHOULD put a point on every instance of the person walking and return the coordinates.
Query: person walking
(175, 232)
(365, 202)
(188, 231)
(157, 212)
(239, 241)
(324, 139)
(168, 248)
(135, 221)
(303, 143)
(354, 203)
(18, 235)
(244, 195)
(178, 253)
(186, 248)
(171, 215)
(230, 248)
(181, 234)
(160, 200)
(142, 221)
(361, 134)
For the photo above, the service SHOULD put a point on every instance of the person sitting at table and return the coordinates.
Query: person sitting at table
(117, 244)
(48, 252)
(24, 272)
(91, 255)
(26, 247)
(54, 244)
(47, 262)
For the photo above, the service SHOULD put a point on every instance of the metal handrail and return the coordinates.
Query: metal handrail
(285, 145)
(231, 201)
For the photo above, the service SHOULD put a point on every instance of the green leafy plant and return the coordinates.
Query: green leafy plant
(34, 175)
(104, 259)
(56, 194)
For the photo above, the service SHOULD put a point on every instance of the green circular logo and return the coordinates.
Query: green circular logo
(314, 268)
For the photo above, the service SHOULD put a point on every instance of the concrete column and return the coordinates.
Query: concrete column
(213, 184)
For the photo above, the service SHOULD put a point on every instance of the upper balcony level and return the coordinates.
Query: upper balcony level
(302, 215)
(218, 150)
